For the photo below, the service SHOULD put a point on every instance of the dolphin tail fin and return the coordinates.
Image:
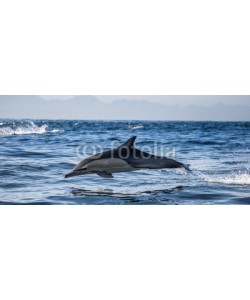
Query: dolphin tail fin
(186, 167)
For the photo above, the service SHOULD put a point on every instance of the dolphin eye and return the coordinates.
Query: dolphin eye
(83, 169)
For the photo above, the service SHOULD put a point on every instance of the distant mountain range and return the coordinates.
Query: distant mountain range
(90, 107)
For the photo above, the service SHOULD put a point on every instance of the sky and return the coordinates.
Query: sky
(215, 108)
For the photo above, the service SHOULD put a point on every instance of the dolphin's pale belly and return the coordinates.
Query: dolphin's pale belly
(113, 165)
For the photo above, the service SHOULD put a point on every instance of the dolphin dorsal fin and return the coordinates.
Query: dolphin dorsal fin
(129, 143)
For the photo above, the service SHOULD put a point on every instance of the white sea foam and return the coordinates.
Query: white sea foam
(234, 178)
(28, 128)
(139, 126)
(55, 131)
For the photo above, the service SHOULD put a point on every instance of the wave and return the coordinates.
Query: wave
(125, 193)
(26, 128)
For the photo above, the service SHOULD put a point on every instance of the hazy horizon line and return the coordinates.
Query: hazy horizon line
(126, 120)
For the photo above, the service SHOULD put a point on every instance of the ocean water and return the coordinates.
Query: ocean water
(36, 154)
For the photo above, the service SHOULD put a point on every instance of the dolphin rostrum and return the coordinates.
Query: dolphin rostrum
(125, 158)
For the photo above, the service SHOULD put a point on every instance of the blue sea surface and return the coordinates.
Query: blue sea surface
(36, 154)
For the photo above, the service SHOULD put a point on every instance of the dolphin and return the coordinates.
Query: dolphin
(125, 158)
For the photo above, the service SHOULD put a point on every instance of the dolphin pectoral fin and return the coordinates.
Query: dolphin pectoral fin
(104, 174)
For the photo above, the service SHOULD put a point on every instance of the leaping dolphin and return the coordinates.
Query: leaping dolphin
(125, 158)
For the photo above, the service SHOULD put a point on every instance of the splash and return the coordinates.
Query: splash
(24, 128)
(139, 126)
(55, 131)
(234, 178)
